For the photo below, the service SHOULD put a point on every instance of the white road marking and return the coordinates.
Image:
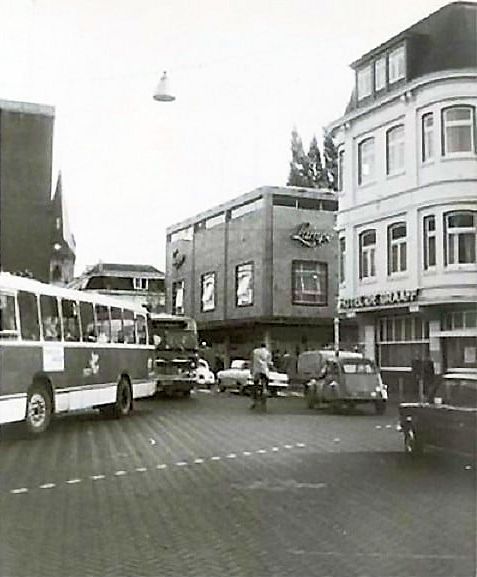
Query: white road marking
(18, 491)
(216, 458)
(141, 469)
(152, 441)
(73, 481)
(336, 440)
(246, 453)
(198, 461)
(231, 456)
(261, 451)
(275, 449)
(288, 446)
(182, 463)
(300, 445)
(97, 477)
(48, 486)
(161, 466)
(120, 473)
(378, 427)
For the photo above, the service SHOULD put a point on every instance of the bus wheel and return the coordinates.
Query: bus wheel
(39, 410)
(123, 405)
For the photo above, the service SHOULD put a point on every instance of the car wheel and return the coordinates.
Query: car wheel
(412, 445)
(380, 407)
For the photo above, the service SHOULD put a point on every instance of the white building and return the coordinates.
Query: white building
(408, 196)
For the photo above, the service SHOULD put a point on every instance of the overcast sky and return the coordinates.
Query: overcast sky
(244, 73)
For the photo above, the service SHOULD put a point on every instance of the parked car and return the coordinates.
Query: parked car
(345, 382)
(310, 363)
(239, 377)
(447, 420)
(204, 376)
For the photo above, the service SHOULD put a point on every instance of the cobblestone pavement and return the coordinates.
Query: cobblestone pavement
(206, 487)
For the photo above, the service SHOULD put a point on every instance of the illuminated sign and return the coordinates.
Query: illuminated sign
(310, 236)
(379, 299)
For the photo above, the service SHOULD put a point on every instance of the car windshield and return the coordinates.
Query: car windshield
(359, 368)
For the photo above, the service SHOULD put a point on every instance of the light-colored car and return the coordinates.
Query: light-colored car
(204, 376)
(239, 378)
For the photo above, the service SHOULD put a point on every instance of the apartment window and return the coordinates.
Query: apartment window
(380, 74)
(183, 234)
(397, 248)
(395, 150)
(364, 82)
(178, 297)
(342, 259)
(460, 237)
(244, 285)
(246, 208)
(458, 130)
(310, 282)
(367, 254)
(397, 64)
(340, 169)
(140, 284)
(427, 136)
(429, 241)
(207, 298)
(366, 161)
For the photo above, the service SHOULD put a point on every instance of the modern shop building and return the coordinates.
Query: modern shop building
(407, 222)
(261, 267)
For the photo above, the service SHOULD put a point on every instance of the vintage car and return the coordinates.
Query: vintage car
(346, 381)
(239, 377)
(203, 375)
(447, 420)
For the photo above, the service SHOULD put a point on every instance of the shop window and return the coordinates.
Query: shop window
(397, 248)
(427, 136)
(178, 297)
(366, 161)
(395, 150)
(50, 318)
(244, 285)
(458, 130)
(207, 298)
(460, 237)
(310, 282)
(429, 241)
(367, 254)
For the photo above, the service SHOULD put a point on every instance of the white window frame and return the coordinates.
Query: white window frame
(397, 64)
(140, 283)
(427, 136)
(395, 150)
(449, 125)
(453, 238)
(380, 74)
(367, 255)
(430, 238)
(364, 82)
(366, 160)
(397, 246)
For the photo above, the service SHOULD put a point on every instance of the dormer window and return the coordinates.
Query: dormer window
(380, 74)
(364, 82)
(397, 64)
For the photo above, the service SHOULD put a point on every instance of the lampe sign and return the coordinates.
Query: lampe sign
(310, 236)
(379, 299)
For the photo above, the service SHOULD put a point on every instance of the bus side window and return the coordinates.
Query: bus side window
(71, 327)
(87, 322)
(50, 318)
(29, 323)
(103, 324)
(8, 323)
(128, 324)
(141, 330)
(117, 333)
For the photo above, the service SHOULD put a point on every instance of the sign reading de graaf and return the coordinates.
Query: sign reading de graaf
(310, 236)
(379, 299)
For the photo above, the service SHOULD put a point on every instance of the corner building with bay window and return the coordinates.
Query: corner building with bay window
(261, 267)
(407, 220)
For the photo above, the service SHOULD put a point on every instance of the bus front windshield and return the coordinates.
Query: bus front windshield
(173, 337)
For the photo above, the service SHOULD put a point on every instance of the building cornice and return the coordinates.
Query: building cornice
(27, 108)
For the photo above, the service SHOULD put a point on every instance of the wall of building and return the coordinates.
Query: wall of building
(26, 138)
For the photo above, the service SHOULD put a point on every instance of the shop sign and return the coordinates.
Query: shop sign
(310, 236)
(379, 299)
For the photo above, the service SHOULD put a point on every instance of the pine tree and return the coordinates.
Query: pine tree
(299, 163)
(315, 166)
(330, 171)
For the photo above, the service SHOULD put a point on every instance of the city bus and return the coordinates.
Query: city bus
(63, 350)
(176, 353)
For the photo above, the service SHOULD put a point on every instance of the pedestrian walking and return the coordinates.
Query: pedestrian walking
(261, 363)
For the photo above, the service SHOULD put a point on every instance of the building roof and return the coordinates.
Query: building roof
(27, 107)
(124, 270)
